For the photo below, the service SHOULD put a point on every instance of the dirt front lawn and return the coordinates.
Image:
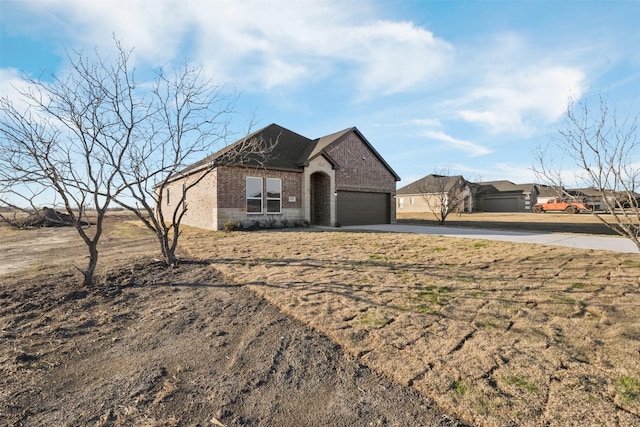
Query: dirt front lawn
(434, 329)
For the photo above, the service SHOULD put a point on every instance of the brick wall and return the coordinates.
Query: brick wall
(200, 200)
(419, 203)
(360, 169)
(232, 195)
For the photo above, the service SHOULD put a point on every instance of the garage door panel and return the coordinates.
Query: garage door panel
(500, 205)
(361, 208)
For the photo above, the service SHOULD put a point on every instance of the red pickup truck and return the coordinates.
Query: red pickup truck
(563, 205)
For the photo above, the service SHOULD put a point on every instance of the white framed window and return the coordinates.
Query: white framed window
(410, 200)
(274, 195)
(254, 195)
(401, 202)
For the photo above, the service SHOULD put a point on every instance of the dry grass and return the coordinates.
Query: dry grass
(559, 217)
(498, 333)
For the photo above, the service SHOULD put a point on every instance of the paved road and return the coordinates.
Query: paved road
(618, 244)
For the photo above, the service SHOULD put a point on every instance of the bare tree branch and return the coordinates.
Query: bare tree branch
(190, 116)
(602, 146)
(70, 141)
(443, 194)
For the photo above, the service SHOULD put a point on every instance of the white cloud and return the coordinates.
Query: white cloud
(11, 83)
(517, 101)
(473, 149)
(398, 56)
(261, 45)
(515, 86)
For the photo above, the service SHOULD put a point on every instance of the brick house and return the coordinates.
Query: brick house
(427, 194)
(336, 179)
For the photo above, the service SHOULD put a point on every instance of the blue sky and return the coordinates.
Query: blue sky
(471, 86)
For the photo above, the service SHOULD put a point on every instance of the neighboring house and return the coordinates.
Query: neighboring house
(429, 193)
(338, 179)
(505, 196)
(546, 192)
(596, 198)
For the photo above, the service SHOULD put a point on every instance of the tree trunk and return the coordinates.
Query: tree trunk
(168, 250)
(91, 268)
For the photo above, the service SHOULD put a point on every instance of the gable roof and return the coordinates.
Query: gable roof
(550, 191)
(431, 184)
(504, 186)
(500, 185)
(292, 151)
(322, 144)
(283, 155)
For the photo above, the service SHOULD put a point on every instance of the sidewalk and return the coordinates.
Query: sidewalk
(617, 244)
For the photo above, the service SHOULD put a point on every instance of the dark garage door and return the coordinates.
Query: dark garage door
(357, 208)
(506, 204)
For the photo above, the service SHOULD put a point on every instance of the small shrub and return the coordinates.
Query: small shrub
(284, 222)
(270, 223)
(231, 225)
(256, 224)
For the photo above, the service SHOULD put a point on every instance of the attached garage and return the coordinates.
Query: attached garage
(362, 208)
(499, 204)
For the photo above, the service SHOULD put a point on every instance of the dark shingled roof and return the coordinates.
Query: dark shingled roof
(504, 186)
(291, 152)
(430, 184)
(286, 154)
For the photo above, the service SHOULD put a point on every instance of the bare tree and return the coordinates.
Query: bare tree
(443, 194)
(191, 115)
(602, 145)
(69, 141)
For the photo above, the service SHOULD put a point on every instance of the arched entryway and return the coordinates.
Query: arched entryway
(320, 199)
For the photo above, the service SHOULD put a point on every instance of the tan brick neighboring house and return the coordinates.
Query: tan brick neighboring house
(336, 179)
(428, 193)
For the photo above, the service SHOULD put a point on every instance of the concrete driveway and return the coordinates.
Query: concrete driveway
(617, 244)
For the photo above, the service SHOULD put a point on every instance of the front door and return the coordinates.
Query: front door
(320, 199)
